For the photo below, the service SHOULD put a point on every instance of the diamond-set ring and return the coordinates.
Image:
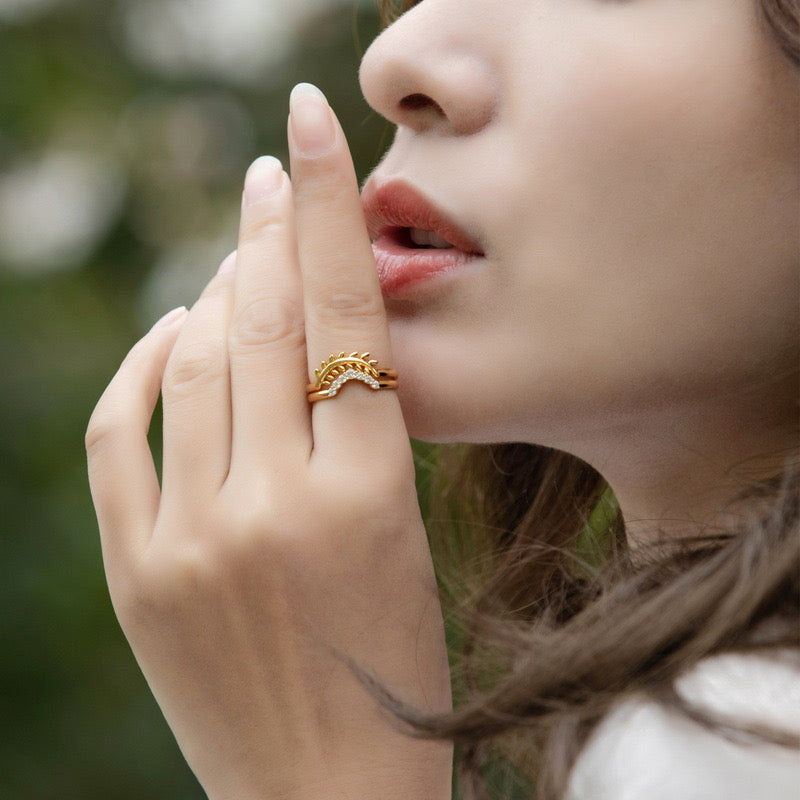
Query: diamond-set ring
(341, 368)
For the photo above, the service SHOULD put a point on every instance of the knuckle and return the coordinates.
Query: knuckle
(241, 522)
(163, 581)
(194, 365)
(106, 418)
(126, 602)
(254, 530)
(261, 528)
(137, 601)
(350, 304)
(101, 428)
(267, 321)
(133, 602)
(267, 224)
(190, 568)
(322, 182)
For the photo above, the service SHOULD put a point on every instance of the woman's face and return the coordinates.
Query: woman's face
(628, 170)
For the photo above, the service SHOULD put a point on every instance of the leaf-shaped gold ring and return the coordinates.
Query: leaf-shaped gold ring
(339, 368)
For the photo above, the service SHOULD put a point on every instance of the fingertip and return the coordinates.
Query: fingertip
(263, 180)
(171, 319)
(228, 264)
(306, 90)
(312, 123)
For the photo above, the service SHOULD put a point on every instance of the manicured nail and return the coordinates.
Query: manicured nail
(170, 317)
(263, 179)
(313, 130)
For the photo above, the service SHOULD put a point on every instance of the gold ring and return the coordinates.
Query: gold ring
(340, 368)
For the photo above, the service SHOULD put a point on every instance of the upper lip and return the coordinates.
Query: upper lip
(396, 204)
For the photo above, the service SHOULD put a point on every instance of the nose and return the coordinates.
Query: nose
(416, 74)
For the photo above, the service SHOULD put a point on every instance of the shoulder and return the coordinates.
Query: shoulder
(643, 749)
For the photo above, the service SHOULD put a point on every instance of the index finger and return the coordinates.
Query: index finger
(344, 308)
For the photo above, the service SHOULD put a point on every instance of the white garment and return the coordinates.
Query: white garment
(644, 751)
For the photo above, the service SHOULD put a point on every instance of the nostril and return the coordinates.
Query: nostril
(415, 102)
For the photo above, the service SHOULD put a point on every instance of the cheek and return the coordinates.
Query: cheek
(660, 199)
(647, 234)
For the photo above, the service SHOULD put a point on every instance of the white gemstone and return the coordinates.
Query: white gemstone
(352, 374)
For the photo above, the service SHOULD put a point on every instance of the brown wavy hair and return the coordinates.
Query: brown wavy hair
(550, 621)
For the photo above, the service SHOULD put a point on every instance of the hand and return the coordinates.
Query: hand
(281, 530)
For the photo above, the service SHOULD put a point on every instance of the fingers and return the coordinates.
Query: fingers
(196, 390)
(267, 341)
(343, 302)
(234, 380)
(122, 476)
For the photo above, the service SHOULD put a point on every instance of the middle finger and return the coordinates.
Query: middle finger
(267, 343)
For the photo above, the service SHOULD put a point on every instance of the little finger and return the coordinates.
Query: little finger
(122, 475)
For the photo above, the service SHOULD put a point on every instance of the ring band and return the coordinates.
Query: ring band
(340, 368)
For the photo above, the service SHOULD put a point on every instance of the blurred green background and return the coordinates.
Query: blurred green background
(125, 130)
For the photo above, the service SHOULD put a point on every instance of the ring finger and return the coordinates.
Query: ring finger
(196, 395)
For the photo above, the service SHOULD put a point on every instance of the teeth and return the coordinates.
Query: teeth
(428, 239)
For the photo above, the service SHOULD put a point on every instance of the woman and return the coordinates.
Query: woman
(586, 243)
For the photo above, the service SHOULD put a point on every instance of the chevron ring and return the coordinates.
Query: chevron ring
(343, 367)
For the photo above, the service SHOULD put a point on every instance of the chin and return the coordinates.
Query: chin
(429, 422)
(445, 423)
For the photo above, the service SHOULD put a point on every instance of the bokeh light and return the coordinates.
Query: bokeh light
(55, 208)
(20, 11)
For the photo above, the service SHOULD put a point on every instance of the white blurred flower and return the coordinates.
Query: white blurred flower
(238, 40)
(54, 210)
(24, 10)
(203, 135)
(181, 273)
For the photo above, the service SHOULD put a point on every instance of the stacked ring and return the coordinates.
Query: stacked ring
(340, 368)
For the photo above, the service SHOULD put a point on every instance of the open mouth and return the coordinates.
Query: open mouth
(413, 240)
(419, 239)
(409, 259)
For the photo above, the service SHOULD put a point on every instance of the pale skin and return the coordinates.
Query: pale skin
(629, 164)
(276, 533)
(633, 172)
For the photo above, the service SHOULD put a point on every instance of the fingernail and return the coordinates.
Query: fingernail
(311, 121)
(228, 264)
(170, 317)
(263, 179)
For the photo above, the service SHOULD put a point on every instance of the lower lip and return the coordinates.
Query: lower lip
(402, 270)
